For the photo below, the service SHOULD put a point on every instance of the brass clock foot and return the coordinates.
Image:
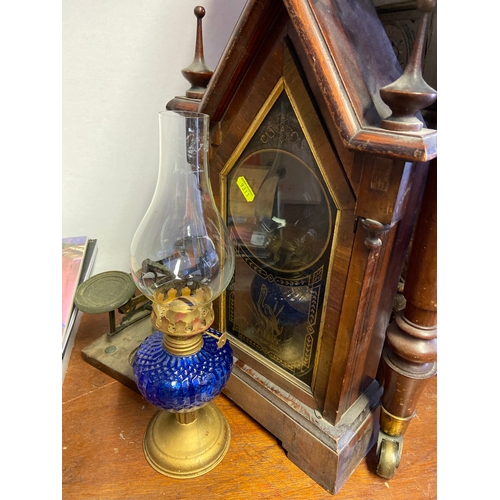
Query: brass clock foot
(389, 450)
(185, 445)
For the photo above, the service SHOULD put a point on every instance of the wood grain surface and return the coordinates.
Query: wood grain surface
(104, 422)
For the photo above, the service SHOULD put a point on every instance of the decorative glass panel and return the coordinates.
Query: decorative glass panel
(282, 219)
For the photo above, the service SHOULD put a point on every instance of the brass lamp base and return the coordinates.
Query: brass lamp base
(186, 445)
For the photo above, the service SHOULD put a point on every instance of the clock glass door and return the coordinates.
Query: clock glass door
(282, 218)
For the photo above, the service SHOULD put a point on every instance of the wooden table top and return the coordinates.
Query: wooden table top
(104, 422)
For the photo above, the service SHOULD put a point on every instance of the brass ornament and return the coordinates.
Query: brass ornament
(392, 425)
(186, 445)
(105, 292)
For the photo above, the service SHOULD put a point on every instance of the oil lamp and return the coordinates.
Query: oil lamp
(182, 258)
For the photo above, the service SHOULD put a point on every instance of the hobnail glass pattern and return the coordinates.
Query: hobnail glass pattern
(181, 383)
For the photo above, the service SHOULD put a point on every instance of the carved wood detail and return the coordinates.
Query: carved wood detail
(198, 74)
(410, 93)
(400, 20)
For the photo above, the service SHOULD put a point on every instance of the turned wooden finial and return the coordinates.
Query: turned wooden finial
(410, 93)
(198, 74)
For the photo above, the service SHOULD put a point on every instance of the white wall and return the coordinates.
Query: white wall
(121, 64)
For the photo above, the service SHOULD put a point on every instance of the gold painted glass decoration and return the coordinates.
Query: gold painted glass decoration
(282, 218)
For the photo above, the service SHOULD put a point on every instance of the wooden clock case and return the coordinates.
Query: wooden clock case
(330, 58)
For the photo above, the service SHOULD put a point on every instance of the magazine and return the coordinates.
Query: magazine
(78, 256)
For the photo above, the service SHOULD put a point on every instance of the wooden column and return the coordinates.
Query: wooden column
(410, 353)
